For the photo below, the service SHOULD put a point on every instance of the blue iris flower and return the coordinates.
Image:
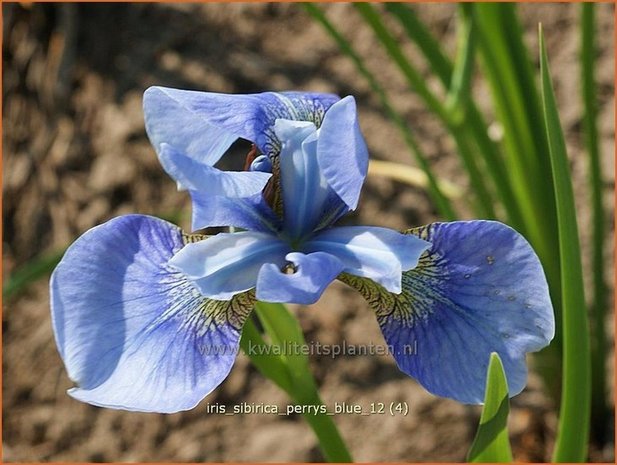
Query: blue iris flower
(148, 318)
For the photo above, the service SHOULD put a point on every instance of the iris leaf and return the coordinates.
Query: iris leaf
(598, 314)
(491, 443)
(441, 201)
(573, 431)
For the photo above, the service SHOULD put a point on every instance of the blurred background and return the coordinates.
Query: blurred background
(75, 154)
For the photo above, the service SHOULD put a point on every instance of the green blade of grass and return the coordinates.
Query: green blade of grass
(573, 432)
(442, 203)
(473, 125)
(483, 196)
(459, 91)
(491, 444)
(514, 93)
(599, 346)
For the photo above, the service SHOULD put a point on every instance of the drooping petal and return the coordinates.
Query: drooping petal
(193, 175)
(342, 151)
(132, 331)
(307, 198)
(251, 213)
(378, 253)
(203, 125)
(312, 274)
(480, 288)
(228, 264)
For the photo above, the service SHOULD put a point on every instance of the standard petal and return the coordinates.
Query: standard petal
(307, 198)
(203, 125)
(193, 175)
(132, 331)
(342, 151)
(312, 273)
(228, 264)
(480, 288)
(378, 253)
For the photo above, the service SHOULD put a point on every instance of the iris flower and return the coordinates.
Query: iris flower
(148, 318)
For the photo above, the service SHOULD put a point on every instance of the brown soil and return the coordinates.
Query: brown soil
(75, 154)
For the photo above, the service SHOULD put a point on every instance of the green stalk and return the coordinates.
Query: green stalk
(417, 84)
(598, 315)
(441, 201)
(291, 372)
(573, 431)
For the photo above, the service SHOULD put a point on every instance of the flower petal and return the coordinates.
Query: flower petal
(208, 180)
(203, 125)
(342, 152)
(479, 289)
(378, 253)
(133, 332)
(313, 273)
(251, 213)
(307, 198)
(228, 264)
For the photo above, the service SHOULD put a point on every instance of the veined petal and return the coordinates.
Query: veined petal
(342, 151)
(378, 253)
(208, 180)
(251, 213)
(312, 274)
(228, 264)
(202, 125)
(132, 331)
(480, 288)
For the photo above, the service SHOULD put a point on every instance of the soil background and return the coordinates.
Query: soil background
(75, 154)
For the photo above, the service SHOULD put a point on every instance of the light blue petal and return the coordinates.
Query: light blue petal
(203, 125)
(208, 180)
(313, 273)
(306, 194)
(342, 152)
(133, 332)
(479, 289)
(218, 211)
(378, 253)
(228, 263)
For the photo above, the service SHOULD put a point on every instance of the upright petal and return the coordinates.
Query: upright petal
(310, 276)
(203, 125)
(377, 253)
(193, 175)
(133, 332)
(307, 198)
(342, 152)
(479, 289)
(228, 264)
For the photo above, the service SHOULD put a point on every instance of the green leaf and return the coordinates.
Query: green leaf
(573, 432)
(270, 365)
(442, 203)
(285, 333)
(491, 443)
(483, 203)
(599, 411)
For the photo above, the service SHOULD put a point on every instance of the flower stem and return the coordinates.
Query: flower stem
(291, 372)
